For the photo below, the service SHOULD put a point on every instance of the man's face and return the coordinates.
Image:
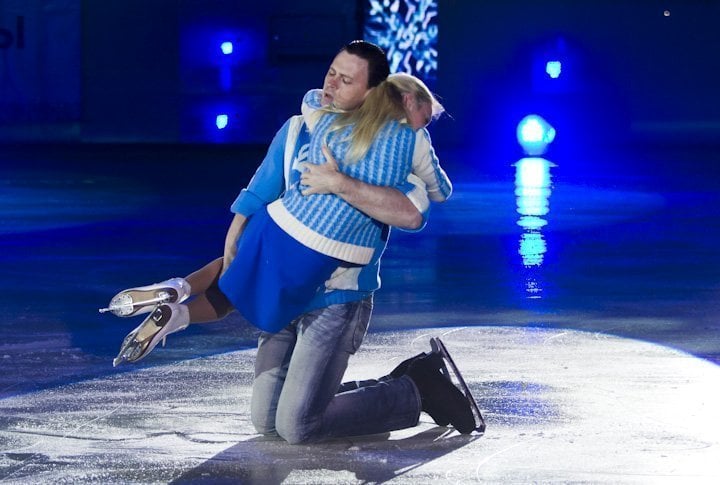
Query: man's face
(346, 82)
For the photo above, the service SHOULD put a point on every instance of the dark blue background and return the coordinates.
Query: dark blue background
(133, 71)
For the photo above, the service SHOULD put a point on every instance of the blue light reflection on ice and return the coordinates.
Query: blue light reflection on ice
(533, 186)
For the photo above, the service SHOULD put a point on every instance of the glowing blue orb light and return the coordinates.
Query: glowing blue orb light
(534, 134)
(226, 48)
(221, 121)
(553, 69)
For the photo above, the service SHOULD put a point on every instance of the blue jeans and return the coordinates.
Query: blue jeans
(298, 372)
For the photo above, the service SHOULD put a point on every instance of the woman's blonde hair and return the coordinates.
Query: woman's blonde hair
(382, 104)
(409, 84)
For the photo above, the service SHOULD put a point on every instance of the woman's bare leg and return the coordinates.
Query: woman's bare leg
(209, 304)
(205, 277)
(202, 311)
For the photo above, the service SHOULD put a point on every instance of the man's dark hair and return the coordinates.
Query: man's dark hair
(378, 65)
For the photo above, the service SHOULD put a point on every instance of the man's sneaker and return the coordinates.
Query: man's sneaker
(439, 396)
(144, 299)
(164, 320)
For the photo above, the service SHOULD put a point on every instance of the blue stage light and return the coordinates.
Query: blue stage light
(221, 121)
(226, 48)
(553, 69)
(534, 134)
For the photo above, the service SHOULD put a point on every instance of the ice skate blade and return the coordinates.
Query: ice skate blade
(161, 322)
(129, 308)
(131, 350)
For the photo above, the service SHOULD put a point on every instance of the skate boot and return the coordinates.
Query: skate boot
(438, 396)
(144, 299)
(398, 371)
(402, 368)
(437, 414)
(439, 348)
(165, 319)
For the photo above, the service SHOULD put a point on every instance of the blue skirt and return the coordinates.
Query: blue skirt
(273, 277)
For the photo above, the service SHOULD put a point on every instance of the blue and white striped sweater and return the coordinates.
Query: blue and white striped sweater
(277, 173)
(425, 164)
(325, 222)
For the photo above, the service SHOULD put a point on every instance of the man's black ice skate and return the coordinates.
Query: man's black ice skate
(438, 415)
(402, 368)
(438, 347)
(439, 396)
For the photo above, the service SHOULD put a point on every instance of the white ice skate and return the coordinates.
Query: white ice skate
(165, 319)
(144, 299)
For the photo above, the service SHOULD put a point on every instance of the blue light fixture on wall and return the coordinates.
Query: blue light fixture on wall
(553, 69)
(226, 48)
(534, 134)
(221, 121)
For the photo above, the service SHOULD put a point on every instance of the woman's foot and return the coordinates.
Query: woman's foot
(165, 319)
(144, 299)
